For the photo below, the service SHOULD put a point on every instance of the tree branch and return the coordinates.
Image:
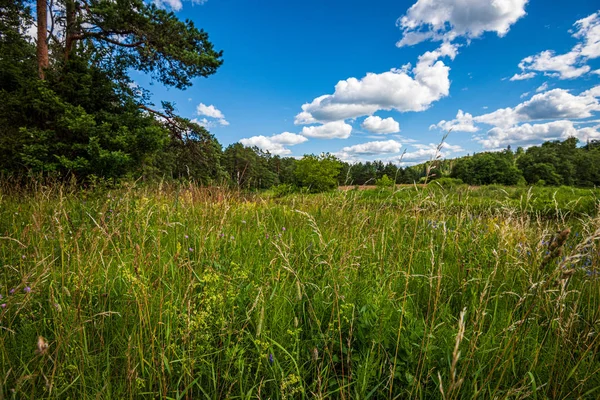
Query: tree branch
(168, 119)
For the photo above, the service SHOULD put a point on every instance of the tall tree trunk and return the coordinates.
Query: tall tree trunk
(70, 31)
(42, 33)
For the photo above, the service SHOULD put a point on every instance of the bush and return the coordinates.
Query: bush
(284, 189)
(384, 182)
(447, 182)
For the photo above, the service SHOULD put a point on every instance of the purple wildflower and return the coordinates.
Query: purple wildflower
(3, 305)
(187, 237)
(23, 256)
(283, 228)
(27, 289)
(191, 249)
(11, 291)
(271, 359)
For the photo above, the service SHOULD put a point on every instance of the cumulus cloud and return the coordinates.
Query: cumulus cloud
(462, 123)
(542, 88)
(523, 76)
(274, 144)
(211, 112)
(402, 89)
(378, 125)
(512, 125)
(553, 104)
(593, 92)
(373, 148)
(588, 31)
(210, 123)
(448, 19)
(330, 130)
(176, 5)
(530, 134)
(563, 66)
(573, 63)
(425, 152)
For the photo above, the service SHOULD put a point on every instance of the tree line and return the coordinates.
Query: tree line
(70, 109)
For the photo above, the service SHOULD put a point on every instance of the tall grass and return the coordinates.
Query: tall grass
(182, 292)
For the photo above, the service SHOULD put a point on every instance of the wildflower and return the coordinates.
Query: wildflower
(271, 359)
(27, 289)
(191, 249)
(23, 256)
(283, 228)
(267, 236)
(3, 305)
(42, 345)
(232, 238)
(187, 237)
(12, 291)
(222, 235)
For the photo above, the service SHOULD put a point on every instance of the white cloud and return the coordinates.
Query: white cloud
(523, 95)
(212, 112)
(288, 139)
(553, 104)
(330, 130)
(425, 152)
(523, 76)
(209, 111)
(376, 124)
(210, 123)
(573, 63)
(528, 134)
(462, 123)
(448, 19)
(274, 144)
(563, 66)
(373, 148)
(593, 92)
(542, 88)
(588, 30)
(176, 5)
(395, 89)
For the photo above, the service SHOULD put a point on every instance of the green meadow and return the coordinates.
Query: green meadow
(183, 292)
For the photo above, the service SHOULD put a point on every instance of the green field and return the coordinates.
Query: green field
(186, 292)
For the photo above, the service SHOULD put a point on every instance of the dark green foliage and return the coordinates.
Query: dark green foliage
(248, 167)
(134, 34)
(86, 118)
(561, 163)
(318, 173)
(385, 182)
(77, 123)
(487, 168)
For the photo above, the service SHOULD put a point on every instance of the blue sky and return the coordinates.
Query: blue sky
(374, 80)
